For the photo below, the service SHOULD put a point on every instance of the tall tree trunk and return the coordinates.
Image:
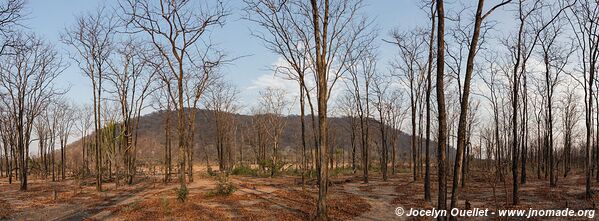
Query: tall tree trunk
(442, 115)
(589, 97)
(464, 103)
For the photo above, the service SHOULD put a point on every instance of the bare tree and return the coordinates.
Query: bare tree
(83, 125)
(361, 67)
(174, 28)
(287, 35)
(582, 17)
(442, 115)
(555, 56)
(479, 18)
(27, 81)
(429, 71)
(274, 105)
(92, 37)
(329, 30)
(65, 117)
(383, 106)
(11, 13)
(131, 75)
(570, 117)
(222, 101)
(413, 65)
(520, 51)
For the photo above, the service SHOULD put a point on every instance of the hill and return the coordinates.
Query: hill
(151, 138)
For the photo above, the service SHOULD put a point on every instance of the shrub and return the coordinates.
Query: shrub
(224, 186)
(341, 171)
(211, 172)
(182, 193)
(244, 171)
(164, 202)
(272, 166)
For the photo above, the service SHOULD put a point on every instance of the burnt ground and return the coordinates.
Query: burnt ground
(279, 198)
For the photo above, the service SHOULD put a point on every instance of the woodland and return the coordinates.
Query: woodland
(485, 104)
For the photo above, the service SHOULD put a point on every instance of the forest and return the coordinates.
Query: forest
(487, 104)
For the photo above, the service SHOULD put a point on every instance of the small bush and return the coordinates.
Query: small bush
(244, 171)
(211, 172)
(224, 186)
(341, 171)
(272, 167)
(164, 202)
(182, 194)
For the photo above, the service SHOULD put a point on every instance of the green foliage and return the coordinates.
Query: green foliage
(270, 165)
(224, 186)
(341, 171)
(211, 172)
(298, 172)
(244, 171)
(182, 194)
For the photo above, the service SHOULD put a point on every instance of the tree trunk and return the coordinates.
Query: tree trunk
(442, 115)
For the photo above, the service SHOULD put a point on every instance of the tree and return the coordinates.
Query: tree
(442, 113)
(222, 101)
(174, 28)
(287, 34)
(520, 52)
(570, 118)
(582, 17)
(273, 104)
(93, 40)
(65, 117)
(83, 124)
(11, 13)
(480, 16)
(412, 65)
(27, 81)
(329, 31)
(361, 67)
(131, 75)
(429, 71)
(555, 57)
(383, 107)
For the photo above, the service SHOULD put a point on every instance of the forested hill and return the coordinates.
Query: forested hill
(151, 137)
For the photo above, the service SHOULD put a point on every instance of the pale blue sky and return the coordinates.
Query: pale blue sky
(49, 18)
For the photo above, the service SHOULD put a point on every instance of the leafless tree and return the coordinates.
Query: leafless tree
(555, 56)
(361, 67)
(92, 39)
(131, 74)
(11, 13)
(330, 30)
(287, 34)
(479, 18)
(582, 17)
(442, 113)
(176, 29)
(65, 118)
(274, 105)
(222, 100)
(412, 64)
(27, 82)
(571, 116)
(520, 51)
(83, 125)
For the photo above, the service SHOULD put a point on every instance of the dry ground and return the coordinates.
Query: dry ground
(280, 198)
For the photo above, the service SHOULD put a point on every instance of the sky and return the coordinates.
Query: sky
(249, 73)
